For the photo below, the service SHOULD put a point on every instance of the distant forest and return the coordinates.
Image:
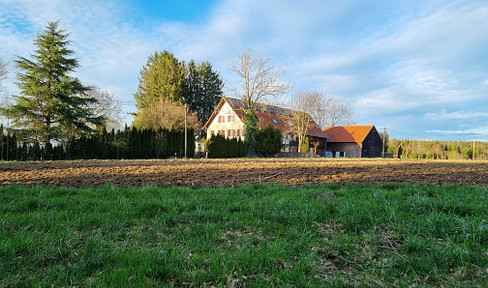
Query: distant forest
(452, 150)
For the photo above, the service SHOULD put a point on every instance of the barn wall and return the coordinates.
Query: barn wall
(372, 144)
(321, 147)
(353, 150)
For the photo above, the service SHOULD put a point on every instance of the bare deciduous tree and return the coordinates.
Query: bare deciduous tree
(3, 72)
(165, 114)
(259, 79)
(301, 104)
(339, 112)
(107, 106)
(330, 110)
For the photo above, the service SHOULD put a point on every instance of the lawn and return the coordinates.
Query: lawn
(259, 235)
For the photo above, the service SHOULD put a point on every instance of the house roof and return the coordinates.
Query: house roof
(348, 134)
(267, 114)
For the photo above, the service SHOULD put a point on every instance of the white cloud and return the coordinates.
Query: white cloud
(443, 115)
(472, 134)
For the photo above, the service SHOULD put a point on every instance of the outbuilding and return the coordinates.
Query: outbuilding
(361, 141)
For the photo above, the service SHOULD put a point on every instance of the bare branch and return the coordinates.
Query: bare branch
(107, 105)
(259, 79)
(329, 110)
(3, 72)
(301, 104)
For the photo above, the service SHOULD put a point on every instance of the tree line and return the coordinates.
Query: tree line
(129, 143)
(452, 150)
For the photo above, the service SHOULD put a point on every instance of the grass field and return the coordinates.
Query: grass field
(259, 235)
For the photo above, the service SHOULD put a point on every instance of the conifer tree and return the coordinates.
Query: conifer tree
(161, 79)
(203, 89)
(166, 81)
(51, 102)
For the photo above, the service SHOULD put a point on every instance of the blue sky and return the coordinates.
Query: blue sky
(418, 68)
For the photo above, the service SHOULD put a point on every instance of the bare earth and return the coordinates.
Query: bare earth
(231, 172)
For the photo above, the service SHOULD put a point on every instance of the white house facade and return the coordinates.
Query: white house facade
(226, 122)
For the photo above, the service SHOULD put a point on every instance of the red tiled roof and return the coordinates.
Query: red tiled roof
(348, 134)
(267, 114)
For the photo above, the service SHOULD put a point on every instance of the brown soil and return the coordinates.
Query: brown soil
(231, 172)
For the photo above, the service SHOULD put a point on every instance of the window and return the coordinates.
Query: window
(238, 133)
(228, 133)
(229, 118)
(218, 119)
(233, 118)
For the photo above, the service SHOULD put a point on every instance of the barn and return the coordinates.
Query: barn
(362, 141)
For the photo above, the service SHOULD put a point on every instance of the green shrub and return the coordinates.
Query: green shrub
(268, 141)
(220, 147)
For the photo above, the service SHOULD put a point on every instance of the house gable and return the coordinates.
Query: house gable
(225, 121)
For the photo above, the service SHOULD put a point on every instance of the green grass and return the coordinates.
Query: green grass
(249, 236)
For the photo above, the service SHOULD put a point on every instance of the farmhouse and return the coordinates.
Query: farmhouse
(354, 141)
(229, 116)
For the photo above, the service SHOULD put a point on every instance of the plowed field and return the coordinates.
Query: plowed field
(231, 172)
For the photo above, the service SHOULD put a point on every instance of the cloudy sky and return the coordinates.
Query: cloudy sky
(418, 68)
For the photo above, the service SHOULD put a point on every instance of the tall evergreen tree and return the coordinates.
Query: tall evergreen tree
(161, 78)
(203, 89)
(50, 101)
(165, 80)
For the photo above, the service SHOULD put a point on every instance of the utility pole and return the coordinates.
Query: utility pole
(186, 134)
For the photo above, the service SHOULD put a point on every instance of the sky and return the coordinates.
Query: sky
(418, 68)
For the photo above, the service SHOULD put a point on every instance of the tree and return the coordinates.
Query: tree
(203, 89)
(269, 141)
(107, 106)
(330, 111)
(301, 104)
(164, 114)
(49, 102)
(162, 78)
(259, 80)
(305, 147)
(3, 72)
(166, 78)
